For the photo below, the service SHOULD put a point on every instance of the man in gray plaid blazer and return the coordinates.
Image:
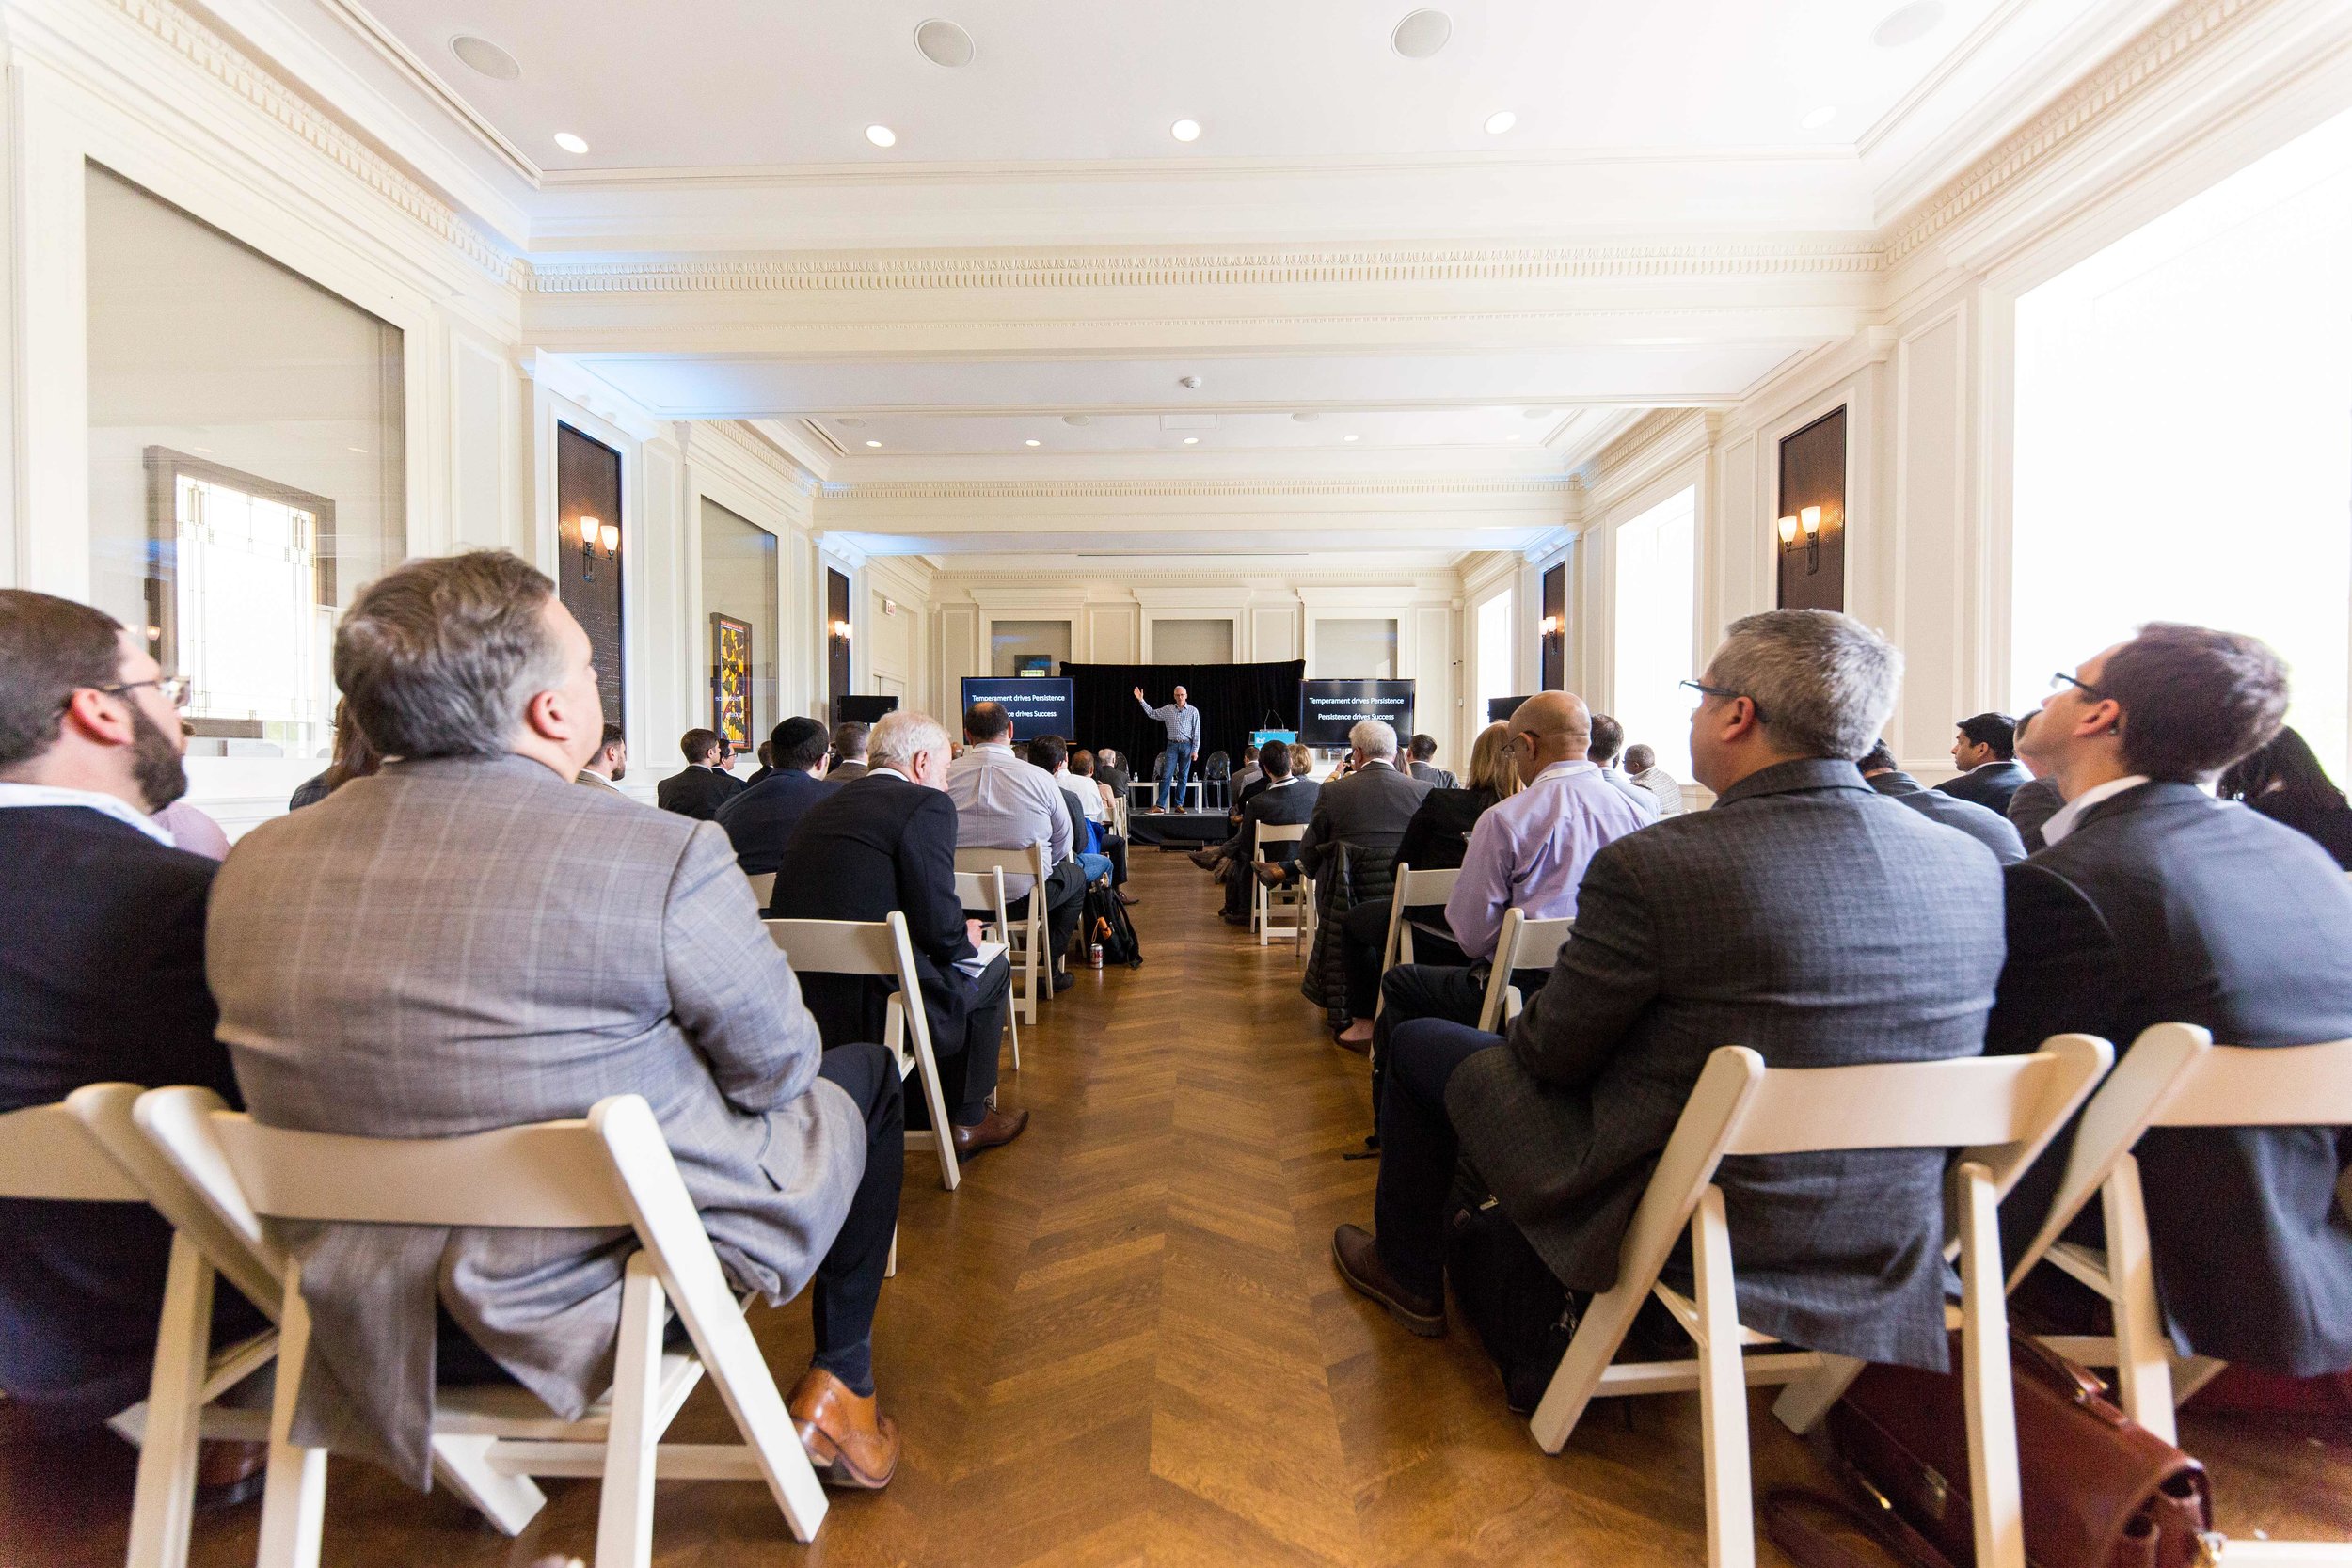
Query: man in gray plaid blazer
(473, 942)
(1806, 916)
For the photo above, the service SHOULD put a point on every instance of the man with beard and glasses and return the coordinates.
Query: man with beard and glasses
(104, 980)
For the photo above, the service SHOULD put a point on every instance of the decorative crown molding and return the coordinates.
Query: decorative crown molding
(183, 35)
(2121, 83)
(1832, 257)
(1101, 489)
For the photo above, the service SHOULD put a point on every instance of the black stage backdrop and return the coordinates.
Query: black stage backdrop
(1233, 700)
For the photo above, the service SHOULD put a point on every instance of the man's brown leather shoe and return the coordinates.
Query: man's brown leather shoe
(1358, 1259)
(1207, 860)
(997, 1126)
(850, 1443)
(1271, 875)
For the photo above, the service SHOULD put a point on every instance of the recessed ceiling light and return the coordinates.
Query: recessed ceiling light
(1350, 437)
(1032, 441)
(1536, 413)
(881, 136)
(1819, 117)
(1185, 129)
(943, 43)
(1909, 24)
(570, 143)
(1500, 121)
(484, 56)
(873, 443)
(1422, 34)
(1080, 421)
(1192, 441)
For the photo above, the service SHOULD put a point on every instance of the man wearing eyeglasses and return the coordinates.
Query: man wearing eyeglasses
(104, 980)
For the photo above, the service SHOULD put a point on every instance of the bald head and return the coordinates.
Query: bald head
(1548, 727)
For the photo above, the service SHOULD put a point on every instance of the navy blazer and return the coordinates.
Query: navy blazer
(697, 792)
(103, 979)
(2164, 906)
(759, 819)
(1989, 787)
(1981, 823)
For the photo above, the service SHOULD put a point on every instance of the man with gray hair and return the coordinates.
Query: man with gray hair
(1801, 917)
(470, 941)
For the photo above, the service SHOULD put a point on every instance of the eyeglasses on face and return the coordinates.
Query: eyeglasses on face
(1725, 693)
(2060, 680)
(176, 689)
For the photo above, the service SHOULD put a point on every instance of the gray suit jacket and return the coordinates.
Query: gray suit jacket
(1367, 809)
(465, 945)
(1988, 828)
(842, 772)
(1800, 917)
(1432, 775)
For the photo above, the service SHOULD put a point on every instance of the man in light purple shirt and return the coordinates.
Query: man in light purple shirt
(1527, 853)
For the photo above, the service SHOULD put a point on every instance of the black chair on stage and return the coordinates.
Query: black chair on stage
(1215, 773)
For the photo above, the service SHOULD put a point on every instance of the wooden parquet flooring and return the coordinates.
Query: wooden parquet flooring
(1122, 1342)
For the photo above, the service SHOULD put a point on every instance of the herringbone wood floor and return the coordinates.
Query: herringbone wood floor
(1122, 1342)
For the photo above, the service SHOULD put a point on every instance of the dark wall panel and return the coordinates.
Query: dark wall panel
(1555, 642)
(837, 675)
(588, 484)
(1813, 473)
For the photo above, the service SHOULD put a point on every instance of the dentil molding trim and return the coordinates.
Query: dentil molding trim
(1831, 257)
(2126, 78)
(1084, 489)
(182, 34)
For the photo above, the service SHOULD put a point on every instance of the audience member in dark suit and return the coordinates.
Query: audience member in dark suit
(766, 767)
(104, 980)
(353, 758)
(2285, 783)
(1434, 840)
(848, 752)
(1608, 740)
(704, 785)
(1285, 802)
(1984, 751)
(2155, 904)
(1799, 917)
(1366, 809)
(1987, 827)
(1421, 763)
(759, 819)
(889, 843)
(2036, 801)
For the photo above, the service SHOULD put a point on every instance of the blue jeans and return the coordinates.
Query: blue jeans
(1096, 867)
(1175, 769)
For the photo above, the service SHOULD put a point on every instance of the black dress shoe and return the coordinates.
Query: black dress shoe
(993, 1131)
(1063, 980)
(1357, 1257)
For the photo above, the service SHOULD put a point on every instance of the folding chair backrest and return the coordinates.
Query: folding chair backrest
(1425, 887)
(840, 946)
(1030, 860)
(1522, 943)
(45, 1152)
(763, 886)
(1275, 833)
(982, 890)
(242, 1257)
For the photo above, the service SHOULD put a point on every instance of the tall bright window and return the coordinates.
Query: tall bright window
(1496, 631)
(2183, 446)
(1656, 612)
(247, 465)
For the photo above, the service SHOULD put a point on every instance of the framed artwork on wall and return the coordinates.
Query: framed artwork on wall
(731, 681)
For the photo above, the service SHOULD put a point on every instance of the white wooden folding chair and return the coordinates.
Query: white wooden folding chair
(52, 1153)
(2000, 1110)
(1413, 889)
(763, 887)
(1522, 943)
(1269, 902)
(611, 1170)
(985, 890)
(881, 948)
(1027, 937)
(2172, 1076)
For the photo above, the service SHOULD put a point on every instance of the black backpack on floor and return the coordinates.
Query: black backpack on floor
(1107, 921)
(1522, 1313)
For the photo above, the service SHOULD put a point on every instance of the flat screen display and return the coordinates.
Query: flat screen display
(1328, 709)
(1501, 708)
(1038, 706)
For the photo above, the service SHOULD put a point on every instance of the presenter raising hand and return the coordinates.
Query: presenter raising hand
(1182, 722)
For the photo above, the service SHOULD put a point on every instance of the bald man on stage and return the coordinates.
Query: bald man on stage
(1183, 723)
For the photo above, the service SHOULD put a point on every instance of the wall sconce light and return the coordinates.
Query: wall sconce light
(1807, 521)
(840, 629)
(593, 531)
(1550, 625)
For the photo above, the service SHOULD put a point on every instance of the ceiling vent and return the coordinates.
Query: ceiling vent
(943, 43)
(1080, 421)
(484, 56)
(1422, 34)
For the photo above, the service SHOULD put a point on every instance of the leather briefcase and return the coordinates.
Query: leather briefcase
(2099, 1490)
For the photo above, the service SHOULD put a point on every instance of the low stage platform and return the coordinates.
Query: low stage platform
(1178, 830)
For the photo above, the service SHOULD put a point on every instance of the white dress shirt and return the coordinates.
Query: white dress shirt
(2062, 820)
(112, 805)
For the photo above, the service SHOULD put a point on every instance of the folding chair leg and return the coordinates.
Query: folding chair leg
(748, 1389)
(1722, 1391)
(1589, 1353)
(508, 1501)
(294, 1498)
(1993, 1478)
(1805, 1402)
(2144, 1368)
(625, 1513)
(164, 1496)
(890, 1265)
(926, 1069)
